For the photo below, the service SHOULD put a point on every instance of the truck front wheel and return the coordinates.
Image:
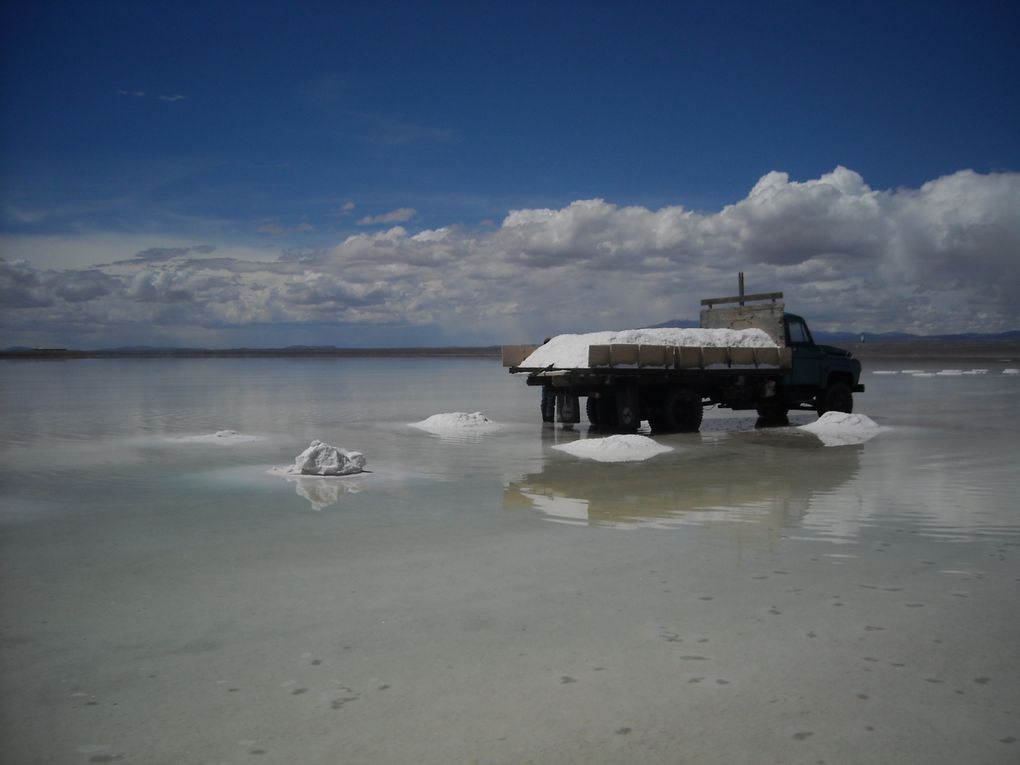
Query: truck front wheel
(836, 398)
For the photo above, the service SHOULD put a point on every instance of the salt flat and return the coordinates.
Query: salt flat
(751, 595)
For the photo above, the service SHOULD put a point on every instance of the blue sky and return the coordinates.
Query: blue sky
(389, 173)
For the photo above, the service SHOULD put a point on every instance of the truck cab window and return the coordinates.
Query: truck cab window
(798, 332)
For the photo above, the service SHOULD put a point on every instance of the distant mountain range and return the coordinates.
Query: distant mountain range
(822, 336)
(848, 338)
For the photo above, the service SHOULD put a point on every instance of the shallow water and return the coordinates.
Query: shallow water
(751, 596)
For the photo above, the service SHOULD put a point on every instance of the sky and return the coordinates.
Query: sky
(259, 174)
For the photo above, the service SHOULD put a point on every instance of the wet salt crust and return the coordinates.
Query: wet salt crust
(620, 448)
(842, 429)
(456, 422)
(198, 613)
(571, 351)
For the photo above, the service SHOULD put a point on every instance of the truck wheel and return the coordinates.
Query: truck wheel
(681, 411)
(548, 404)
(627, 408)
(836, 398)
(601, 412)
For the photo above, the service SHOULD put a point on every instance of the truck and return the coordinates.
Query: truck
(669, 385)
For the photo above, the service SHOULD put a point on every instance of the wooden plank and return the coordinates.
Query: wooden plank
(766, 357)
(714, 357)
(623, 354)
(743, 357)
(513, 355)
(743, 298)
(652, 355)
(598, 355)
(688, 358)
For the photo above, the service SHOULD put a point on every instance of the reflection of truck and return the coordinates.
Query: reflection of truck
(753, 487)
(670, 385)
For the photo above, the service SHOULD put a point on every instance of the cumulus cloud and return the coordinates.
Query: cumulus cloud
(941, 257)
(400, 215)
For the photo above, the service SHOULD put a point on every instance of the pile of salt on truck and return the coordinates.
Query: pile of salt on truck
(748, 354)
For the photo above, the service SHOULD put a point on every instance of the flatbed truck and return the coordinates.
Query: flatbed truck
(670, 386)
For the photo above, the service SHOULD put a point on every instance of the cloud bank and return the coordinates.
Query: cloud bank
(944, 257)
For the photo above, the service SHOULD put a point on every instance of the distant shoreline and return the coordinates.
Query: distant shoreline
(977, 350)
(489, 351)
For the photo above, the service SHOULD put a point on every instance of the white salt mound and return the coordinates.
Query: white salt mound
(457, 422)
(621, 448)
(1011, 371)
(323, 459)
(571, 351)
(842, 429)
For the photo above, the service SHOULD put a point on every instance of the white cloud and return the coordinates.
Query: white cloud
(941, 257)
(400, 215)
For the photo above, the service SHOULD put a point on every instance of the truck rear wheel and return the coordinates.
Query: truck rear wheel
(548, 404)
(627, 409)
(601, 412)
(836, 398)
(680, 412)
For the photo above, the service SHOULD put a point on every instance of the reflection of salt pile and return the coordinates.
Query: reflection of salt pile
(622, 448)
(1011, 371)
(323, 459)
(321, 494)
(842, 429)
(457, 422)
(571, 351)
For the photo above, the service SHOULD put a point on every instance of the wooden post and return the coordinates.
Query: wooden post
(741, 285)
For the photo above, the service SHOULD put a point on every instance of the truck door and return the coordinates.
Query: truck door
(807, 357)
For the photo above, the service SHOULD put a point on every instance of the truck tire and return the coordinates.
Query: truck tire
(601, 412)
(627, 408)
(548, 404)
(681, 412)
(836, 398)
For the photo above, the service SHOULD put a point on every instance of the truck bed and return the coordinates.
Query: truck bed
(604, 357)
